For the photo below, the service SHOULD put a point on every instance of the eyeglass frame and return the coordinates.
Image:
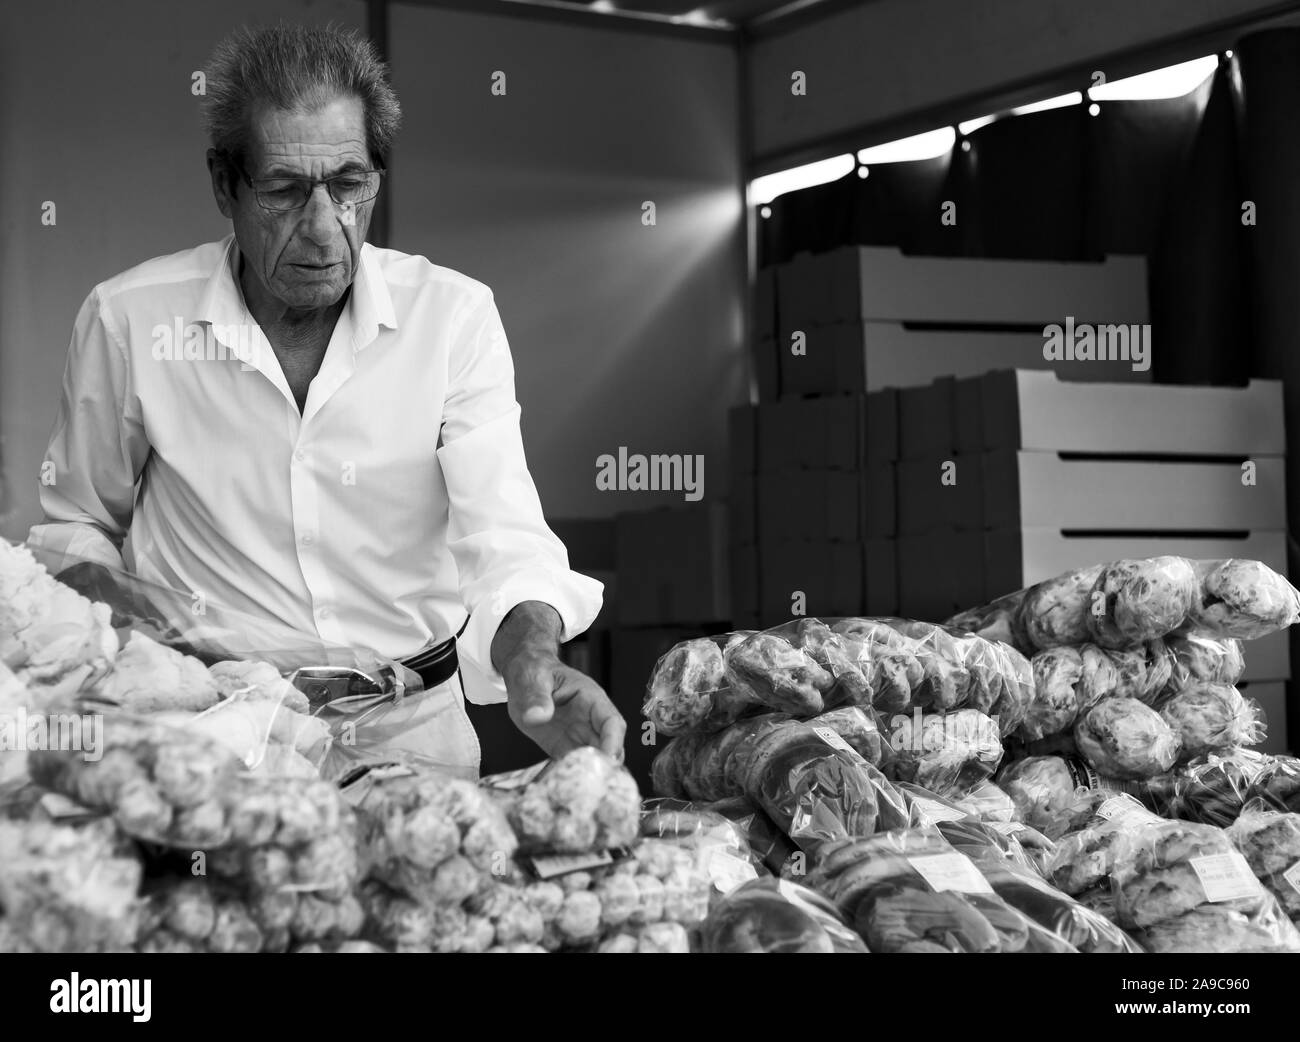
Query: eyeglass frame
(238, 165)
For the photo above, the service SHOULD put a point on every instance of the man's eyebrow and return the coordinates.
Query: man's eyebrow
(350, 166)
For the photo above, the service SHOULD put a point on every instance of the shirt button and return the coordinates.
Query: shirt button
(307, 539)
(300, 455)
(324, 613)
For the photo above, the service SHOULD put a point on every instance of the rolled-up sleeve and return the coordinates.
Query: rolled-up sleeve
(503, 549)
(96, 453)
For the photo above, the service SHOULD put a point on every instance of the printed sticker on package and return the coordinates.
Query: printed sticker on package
(1225, 877)
(951, 872)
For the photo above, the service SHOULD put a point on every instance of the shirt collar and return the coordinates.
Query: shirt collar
(370, 304)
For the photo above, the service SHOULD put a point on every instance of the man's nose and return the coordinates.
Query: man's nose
(320, 217)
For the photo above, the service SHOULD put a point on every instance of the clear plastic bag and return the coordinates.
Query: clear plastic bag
(816, 788)
(1204, 660)
(719, 844)
(1123, 604)
(68, 889)
(1269, 840)
(989, 803)
(947, 753)
(1186, 888)
(1278, 783)
(689, 691)
(1054, 794)
(1212, 718)
(910, 891)
(1085, 856)
(1212, 788)
(1126, 739)
(778, 916)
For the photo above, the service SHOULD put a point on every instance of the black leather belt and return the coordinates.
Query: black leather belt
(435, 665)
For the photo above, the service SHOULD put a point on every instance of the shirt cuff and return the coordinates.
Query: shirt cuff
(575, 597)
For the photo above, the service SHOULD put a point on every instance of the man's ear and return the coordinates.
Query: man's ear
(223, 183)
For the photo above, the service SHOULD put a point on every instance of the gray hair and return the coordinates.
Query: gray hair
(296, 67)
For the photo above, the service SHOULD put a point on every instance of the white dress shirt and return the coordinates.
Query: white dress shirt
(351, 520)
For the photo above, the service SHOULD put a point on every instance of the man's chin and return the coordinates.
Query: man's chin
(307, 297)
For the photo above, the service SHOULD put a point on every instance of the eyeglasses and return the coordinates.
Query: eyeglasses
(282, 194)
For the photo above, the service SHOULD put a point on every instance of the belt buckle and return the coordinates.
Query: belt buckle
(325, 684)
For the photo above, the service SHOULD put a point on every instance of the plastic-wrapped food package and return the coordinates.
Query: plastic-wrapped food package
(1135, 601)
(668, 768)
(238, 680)
(160, 783)
(187, 914)
(1016, 878)
(148, 677)
(1123, 738)
(1084, 858)
(659, 883)
(860, 730)
(1211, 718)
(1242, 599)
(719, 844)
(1054, 794)
(816, 788)
(1203, 660)
(909, 891)
(1185, 888)
(946, 753)
(1000, 620)
(841, 656)
(435, 838)
(1057, 673)
(1055, 612)
(767, 843)
(68, 889)
(989, 803)
(1269, 840)
(1212, 788)
(688, 689)
(776, 673)
(1141, 672)
(1278, 783)
(999, 841)
(54, 639)
(926, 808)
(770, 915)
(581, 802)
(888, 661)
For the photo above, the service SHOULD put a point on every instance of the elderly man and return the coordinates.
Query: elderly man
(335, 446)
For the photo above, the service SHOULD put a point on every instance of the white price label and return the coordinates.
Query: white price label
(1225, 877)
(1292, 876)
(1124, 810)
(729, 871)
(928, 812)
(1007, 828)
(951, 872)
(833, 739)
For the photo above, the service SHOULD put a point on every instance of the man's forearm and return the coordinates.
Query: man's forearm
(532, 626)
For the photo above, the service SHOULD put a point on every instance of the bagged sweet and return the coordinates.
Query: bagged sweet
(68, 889)
(1212, 718)
(1212, 788)
(777, 916)
(256, 682)
(688, 689)
(160, 783)
(1135, 601)
(860, 731)
(1054, 794)
(1269, 840)
(1242, 599)
(841, 657)
(989, 802)
(1278, 783)
(1017, 880)
(581, 802)
(188, 914)
(1055, 612)
(147, 677)
(1185, 888)
(668, 768)
(1000, 620)
(1055, 707)
(910, 891)
(1205, 660)
(947, 753)
(816, 788)
(719, 845)
(1085, 857)
(1140, 672)
(771, 670)
(54, 639)
(768, 845)
(888, 661)
(1122, 738)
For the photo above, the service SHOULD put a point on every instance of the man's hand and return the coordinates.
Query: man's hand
(555, 705)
